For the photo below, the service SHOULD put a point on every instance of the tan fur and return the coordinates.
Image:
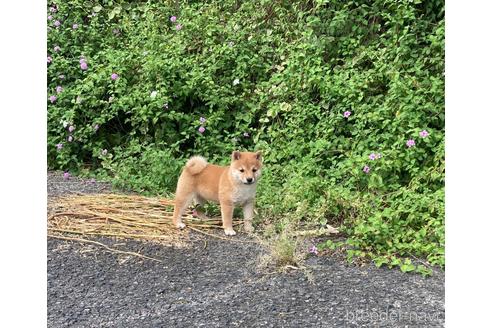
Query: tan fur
(226, 185)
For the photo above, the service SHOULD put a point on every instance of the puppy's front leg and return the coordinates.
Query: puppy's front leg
(227, 210)
(248, 214)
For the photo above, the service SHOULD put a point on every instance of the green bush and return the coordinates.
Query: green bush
(337, 95)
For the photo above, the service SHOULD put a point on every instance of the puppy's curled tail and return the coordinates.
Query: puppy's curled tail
(195, 165)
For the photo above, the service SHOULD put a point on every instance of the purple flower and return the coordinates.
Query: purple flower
(104, 152)
(410, 143)
(313, 250)
(52, 99)
(201, 129)
(179, 27)
(59, 146)
(195, 213)
(246, 134)
(114, 76)
(347, 114)
(66, 175)
(71, 128)
(173, 19)
(70, 138)
(61, 77)
(96, 127)
(49, 59)
(202, 119)
(59, 89)
(53, 9)
(75, 26)
(366, 169)
(83, 66)
(423, 133)
(82, 60)
(372, 156)
(50, 17)
(57, 23)
(56, 48)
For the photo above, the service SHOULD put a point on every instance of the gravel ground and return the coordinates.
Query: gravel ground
(215, 283)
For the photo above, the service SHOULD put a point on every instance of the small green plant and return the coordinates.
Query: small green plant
(284, 251)
(281, 251)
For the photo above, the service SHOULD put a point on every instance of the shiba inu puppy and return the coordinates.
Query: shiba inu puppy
(230, 186)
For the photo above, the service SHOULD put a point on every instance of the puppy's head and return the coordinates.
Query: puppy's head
(246, 167)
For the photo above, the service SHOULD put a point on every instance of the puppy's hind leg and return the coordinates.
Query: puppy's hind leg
(181, 203)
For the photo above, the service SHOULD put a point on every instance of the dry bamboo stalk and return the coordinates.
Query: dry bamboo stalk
(105, 246)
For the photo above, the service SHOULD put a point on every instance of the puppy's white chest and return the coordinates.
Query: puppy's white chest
(244, 193)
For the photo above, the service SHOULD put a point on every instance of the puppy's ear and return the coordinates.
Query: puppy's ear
(235, 155)
(258, 155)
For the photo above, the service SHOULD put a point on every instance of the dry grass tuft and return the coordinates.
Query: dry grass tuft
(124, 216)
(282, 253)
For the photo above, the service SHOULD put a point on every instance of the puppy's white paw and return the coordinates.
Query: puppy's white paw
(229, 232)
(180, 225)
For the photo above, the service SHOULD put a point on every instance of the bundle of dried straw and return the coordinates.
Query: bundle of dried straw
(126, 216)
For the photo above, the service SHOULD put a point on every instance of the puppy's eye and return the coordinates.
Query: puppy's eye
(241, 170)
(254, 170)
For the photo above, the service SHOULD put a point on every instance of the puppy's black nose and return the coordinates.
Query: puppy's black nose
(249, 180)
